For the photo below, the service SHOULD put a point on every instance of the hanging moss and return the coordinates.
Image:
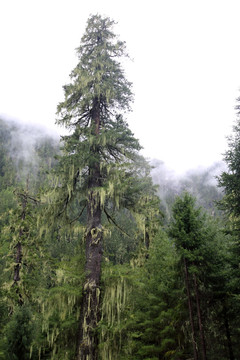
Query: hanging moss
(115, 305)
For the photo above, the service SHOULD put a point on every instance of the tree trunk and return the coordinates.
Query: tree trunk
(17, 267)
(202, 337)
(90, 309)
(194, 343)
(228, 335)
(18, 247)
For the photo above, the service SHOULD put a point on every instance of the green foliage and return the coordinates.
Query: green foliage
(205, 250)
(154, 325)
(22, 259)
(187, 226)
(141, 310)
(144, 310)
(60, 305)
(93, 107)
(100, 169)
(98, 76)
(229, 180)
(20, 334)
(116, 304)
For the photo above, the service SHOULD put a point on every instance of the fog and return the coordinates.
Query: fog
(201, 182)
(185, 74)
(26, 138)
(23, 145)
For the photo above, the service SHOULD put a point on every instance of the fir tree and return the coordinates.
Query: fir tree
(229, 181)
(187, 230)
(97, 166)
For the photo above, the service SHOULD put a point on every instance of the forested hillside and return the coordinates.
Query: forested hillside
(103, 254)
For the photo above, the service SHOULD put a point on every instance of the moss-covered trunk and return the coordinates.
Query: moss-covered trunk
(19, 250)
(90, 310)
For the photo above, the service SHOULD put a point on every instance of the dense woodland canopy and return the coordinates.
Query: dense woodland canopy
(102, 255)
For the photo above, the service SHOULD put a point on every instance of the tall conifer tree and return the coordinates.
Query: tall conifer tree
(98, 158)
(186, 229)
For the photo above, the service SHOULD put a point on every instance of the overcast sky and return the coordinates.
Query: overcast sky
(185, 69)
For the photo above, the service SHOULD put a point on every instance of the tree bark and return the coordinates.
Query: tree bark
(17, 267)
(18, 247)
(90, 309)
(202, 337)
(228, 335)
(194, 343)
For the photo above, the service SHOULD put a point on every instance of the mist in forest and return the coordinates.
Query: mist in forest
(201, 182)
(26, 140)
(23, 143)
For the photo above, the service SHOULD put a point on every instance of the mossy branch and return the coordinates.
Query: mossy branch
(79, 215)
(114, 222)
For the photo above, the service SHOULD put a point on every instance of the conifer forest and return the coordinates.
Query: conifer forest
(103, 255)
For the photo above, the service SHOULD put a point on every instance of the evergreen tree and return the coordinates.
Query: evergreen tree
(187, 230)
(20, 333)
(229, 181)
(98, 167)
(154, 322)
(205, 251)
(22, 254)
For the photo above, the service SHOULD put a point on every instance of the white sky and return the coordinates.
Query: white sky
(186, 68)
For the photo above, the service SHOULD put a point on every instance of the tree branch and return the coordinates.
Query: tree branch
(77, 217)
(114, 222)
